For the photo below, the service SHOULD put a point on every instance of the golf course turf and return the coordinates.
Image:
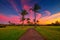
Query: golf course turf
(50, 32)
(14, 32)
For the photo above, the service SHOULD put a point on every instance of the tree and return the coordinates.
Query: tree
(28, 20)
(23, 13)
(37, 21)
(9, 22)
(35, 9)
(57, 23)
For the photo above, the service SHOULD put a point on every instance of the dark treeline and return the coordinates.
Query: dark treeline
(13, 24)
(57, 23)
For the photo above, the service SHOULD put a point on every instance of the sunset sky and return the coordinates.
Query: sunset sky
(10, 10)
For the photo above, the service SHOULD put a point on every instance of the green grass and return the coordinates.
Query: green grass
(50, 32)
(12, 32)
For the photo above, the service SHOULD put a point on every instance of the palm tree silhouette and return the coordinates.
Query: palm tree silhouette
(37, 21)
(35, 9)
(28, 20)
(23, 13)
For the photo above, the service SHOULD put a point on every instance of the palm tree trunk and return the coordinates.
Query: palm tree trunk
(35, 19)
(23, 21)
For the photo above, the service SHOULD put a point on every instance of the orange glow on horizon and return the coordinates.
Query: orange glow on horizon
(50, 19)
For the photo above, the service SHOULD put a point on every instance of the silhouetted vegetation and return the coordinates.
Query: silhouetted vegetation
(10, 23)
(23, 13)
(29, 24)
(35, 9)
(54, 24)
(28, 21)
(2, 25)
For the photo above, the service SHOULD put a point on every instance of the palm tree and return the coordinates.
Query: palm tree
(37, 21)
(23, 13)
(35, 9)
(28, 20)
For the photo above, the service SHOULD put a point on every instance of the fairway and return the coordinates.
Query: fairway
(14, 32)
(49, 32)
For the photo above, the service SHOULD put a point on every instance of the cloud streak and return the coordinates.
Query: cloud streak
(12, 18)
(14, 5)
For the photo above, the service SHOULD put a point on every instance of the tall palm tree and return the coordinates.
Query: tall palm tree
(35, 9)
(23, 13)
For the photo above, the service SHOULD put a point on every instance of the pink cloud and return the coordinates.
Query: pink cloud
(3, 18)
(26, 7)
(15, 19)
(25, 2)
(47, 12)
(12, 18)
(38, 16)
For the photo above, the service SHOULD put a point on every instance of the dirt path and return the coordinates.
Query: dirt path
(31, 34)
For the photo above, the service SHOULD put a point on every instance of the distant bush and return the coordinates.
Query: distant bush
(54, 24)
(2, 26)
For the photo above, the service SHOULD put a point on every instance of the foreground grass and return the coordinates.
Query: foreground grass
(50, 32)
(12, 32)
